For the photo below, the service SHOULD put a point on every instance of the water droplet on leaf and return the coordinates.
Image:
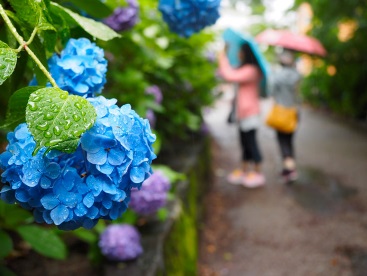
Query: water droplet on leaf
(48, 117)
(68, 124)
(36, 98)
(42, 126)
(78, 105)
(57, 130)
(32, 106)
(76, 117)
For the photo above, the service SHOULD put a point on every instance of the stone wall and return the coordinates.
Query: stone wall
(171, 246)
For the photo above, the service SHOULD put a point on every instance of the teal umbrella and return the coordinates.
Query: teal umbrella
(234, 40)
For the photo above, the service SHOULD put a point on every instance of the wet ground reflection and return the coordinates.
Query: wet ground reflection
(318, 192)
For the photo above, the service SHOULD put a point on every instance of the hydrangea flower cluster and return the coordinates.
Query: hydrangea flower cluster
(75, 190)
(151, 196)
(123, 18)
(120, 242)
(80, 68)
(156, 92)
(158, 97)
(186, 17)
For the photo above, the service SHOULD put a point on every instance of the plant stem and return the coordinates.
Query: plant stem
(23, 44)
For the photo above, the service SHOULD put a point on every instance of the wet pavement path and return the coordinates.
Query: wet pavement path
(316, 226)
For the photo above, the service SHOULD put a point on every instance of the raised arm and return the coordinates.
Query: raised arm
(247, 73)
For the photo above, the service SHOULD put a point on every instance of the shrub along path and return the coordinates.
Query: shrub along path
(316, 226)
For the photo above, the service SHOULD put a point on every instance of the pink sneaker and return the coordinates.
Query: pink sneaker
(253, 180)
(236, 177)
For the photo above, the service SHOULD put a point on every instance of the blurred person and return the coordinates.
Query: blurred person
(284, 82)
(247, 114)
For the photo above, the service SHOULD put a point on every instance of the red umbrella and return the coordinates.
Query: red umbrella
(292, 41)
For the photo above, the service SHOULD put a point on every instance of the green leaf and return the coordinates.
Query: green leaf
(94, 28)
(4, 271)
(8, 61)
(15, 114)
(27, 11)
(162, 214)
(129, 217)
(43, 241)
(16, 216)
(6, 244)
(94, 8)
(172, 175)
(61, 25)
(86, 235)
(57, 119)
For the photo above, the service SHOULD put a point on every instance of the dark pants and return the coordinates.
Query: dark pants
(250, 149)
(285, 141)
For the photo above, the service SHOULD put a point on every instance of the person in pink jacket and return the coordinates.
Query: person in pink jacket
(247, 110)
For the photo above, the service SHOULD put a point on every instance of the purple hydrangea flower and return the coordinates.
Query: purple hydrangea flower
(156, 92)
(123, 18)
(120, 242)
(186, 17)
(150, 115)
(210, 56)
(152, 194)
(158, 97)
(75, 190)
(80, 68)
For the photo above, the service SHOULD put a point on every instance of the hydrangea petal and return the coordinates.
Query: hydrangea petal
(22, 195)
(49, 201)
(88, 200)
(98, 158)
(68, 199)
(137, 174)
(59, 214)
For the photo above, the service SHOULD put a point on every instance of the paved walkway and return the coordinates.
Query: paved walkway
(317, 226)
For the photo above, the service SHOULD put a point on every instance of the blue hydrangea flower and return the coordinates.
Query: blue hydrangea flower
(76, 190)
(186, 17)
(151, 196)
(80, 68)
(123, 18)
(120, 242)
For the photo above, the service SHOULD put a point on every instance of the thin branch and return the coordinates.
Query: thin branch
(23, 44)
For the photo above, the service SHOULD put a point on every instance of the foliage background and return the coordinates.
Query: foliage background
(346, 91)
